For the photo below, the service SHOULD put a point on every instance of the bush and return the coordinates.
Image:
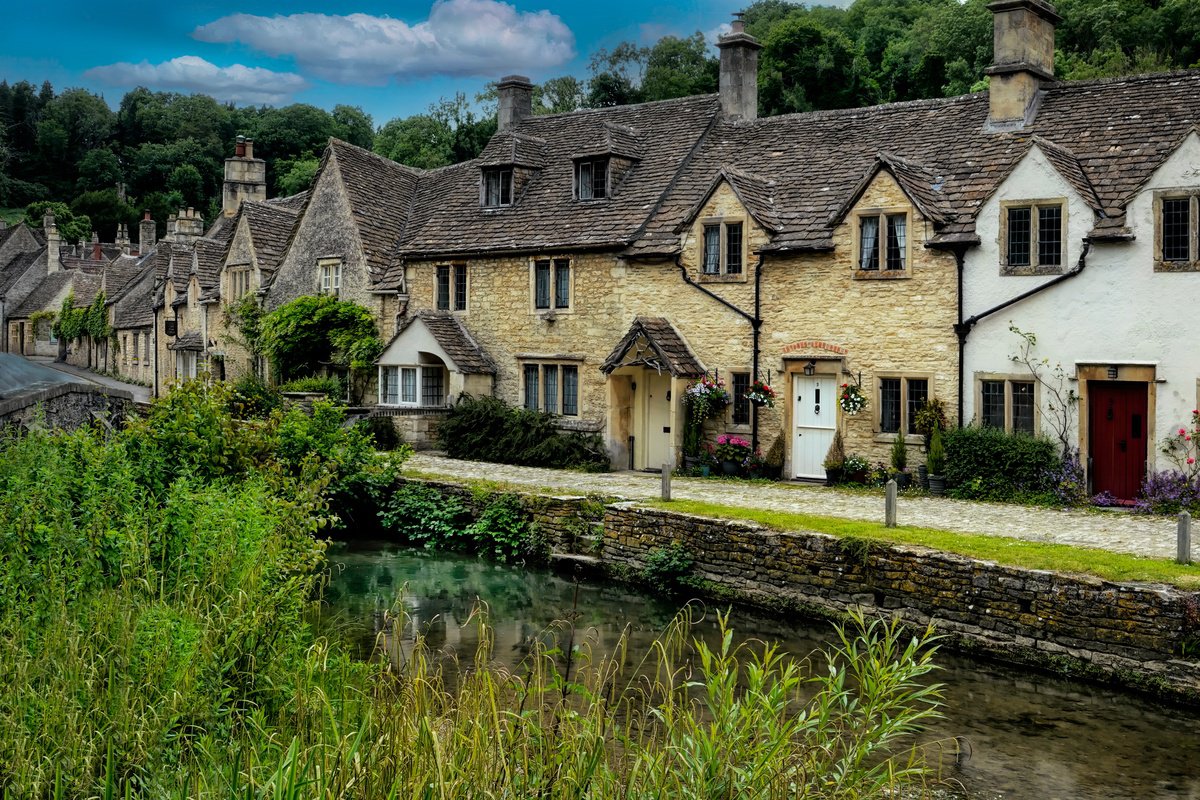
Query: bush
(667, 567)
(1168, 492)
(989, 464)
(425, 516)
(488, 429)
(253, 397)
(383, 433)
(333, 388)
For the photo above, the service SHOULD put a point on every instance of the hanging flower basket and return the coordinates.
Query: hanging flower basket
(760, 394)
(851, 399)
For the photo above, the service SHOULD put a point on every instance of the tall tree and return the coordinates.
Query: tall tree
(353, 125)
(805, 66)
(679, 67)
(418, 141)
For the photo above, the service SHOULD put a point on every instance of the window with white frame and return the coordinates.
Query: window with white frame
(331, 276)
(591, 179)
(549, 387)
(1032, 235)
(552, 284)
(883, 242)
(1007, 403)
(239, 282)
(900, 398)
(722, 248)
(451, 287)
(419, 385)
(496, 189)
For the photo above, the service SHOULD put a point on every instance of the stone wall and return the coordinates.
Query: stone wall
(1126, 634)
(67, 406)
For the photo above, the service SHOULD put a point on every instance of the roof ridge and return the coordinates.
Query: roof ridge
(1142, 77)
(691, 98)
(333, 140)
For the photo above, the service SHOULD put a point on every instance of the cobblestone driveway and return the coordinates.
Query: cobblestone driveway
(1116, 531)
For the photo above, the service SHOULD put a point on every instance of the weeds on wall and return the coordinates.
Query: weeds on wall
(668, 567)
(488, 429)
(427, 517)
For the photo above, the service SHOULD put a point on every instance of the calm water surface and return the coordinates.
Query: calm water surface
(1031, 735)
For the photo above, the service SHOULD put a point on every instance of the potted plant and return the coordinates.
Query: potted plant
(856, 468)
(773, 463)
(899, 472)
(930, 416)
(732, 451)
(936, 463)
(851, 398)
(835, 460)
(703, 399)
(760, 394)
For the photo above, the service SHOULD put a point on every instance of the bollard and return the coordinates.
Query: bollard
(889, 505)
(666, 482)
(1183, 539)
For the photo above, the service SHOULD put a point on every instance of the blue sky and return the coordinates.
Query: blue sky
(391, 58)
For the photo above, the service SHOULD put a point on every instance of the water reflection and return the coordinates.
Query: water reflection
(1031, 736)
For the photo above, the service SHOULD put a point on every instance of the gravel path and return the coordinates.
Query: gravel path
(1117, 531)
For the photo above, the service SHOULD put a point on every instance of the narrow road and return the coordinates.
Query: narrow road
(141, 394)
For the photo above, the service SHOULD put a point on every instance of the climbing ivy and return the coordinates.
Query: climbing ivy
(309, 333)
(75, 323)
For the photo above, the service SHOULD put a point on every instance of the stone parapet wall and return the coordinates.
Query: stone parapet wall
(1127, 634)
(67, 406)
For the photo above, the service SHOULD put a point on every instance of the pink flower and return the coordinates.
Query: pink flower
(1191, 460)
(1182, 431)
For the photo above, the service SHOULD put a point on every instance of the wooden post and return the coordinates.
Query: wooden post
(1183, 539)
(666, 482)
(889, 505)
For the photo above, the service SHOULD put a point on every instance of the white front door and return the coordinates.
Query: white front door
(658, 419)
(814, 419)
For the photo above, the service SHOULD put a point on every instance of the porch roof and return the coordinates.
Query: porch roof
(458, 347)
(655, 343)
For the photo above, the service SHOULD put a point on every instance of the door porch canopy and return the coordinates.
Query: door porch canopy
(653, 342)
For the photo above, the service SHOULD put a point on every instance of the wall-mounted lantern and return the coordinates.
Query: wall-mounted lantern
(810, 367)
(1112, 373)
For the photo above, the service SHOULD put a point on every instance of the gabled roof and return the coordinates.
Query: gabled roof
(119, 273)
(614, 140)
(270, 227)
(187, 341)
(84, 285)
(653, 342)
(222, 229)
(207, 264)
(133, 306)
(512, 148)
(11, 272)
(755, 193)
(922, 187)
(1067, 165)
(454, 339)
(293, 202)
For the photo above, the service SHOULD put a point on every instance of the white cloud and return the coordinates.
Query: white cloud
(237, 83)
(461, 38)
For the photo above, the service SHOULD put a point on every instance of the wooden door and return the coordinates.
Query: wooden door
(814, 417)
(1117, 428)
(658, 419)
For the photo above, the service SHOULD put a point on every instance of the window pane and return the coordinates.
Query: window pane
(733, 248)
(541, 284)
(712, 249)
(889, 405)
(562, 283)
(585, 180)
(432, 393)
(550, 378)
(918, 395)
(505, 187)
(408, 385)
(868, 243)
(570, 379)
(991, 415)
(1022, 407)
(897, 241)
(1176, 221)
(1050, 236)
(460, 287)
(600, 179)
(741, 406)
(443, 288)
(1019, 236)
(531, 386)
(491, 188)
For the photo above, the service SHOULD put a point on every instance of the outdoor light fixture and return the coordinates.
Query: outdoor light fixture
(1112, 373)
(171, 327)
(810, 367)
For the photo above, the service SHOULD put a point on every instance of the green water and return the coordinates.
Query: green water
(1030, 735)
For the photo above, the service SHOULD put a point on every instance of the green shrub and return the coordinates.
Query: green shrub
(253, 397)
(504, 531)
(383, 433)
(667, 567)
(936, 461)
(333, 388)
(423, 515)
(989, 464)
(488, 429)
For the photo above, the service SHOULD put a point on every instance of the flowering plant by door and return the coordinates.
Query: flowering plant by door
(851, 399)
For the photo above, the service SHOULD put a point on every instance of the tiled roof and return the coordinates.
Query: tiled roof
(754, 192)
(1069, 167)
(187, 341)
(270, 227)
(545, 216)
(380, 193)
(615, 140)
(654, 343)
(119, 273)
(133, 306)
(11, 272)
(459, 345)
(293, 202)
(43, 298)
(222, 229)
(1118, 131)
(513, 148)
(209, 256)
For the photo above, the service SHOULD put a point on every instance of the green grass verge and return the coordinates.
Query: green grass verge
(1001, 549)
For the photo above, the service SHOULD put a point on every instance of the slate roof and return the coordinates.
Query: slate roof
(452, 336)
(270, 228)
(1118, 131)
(668, 350)
(1069, 167)
(513, 148)
(222, 230)
(119, 273)
(293, 202)
(133, 306)
(43, 298)
(545, 215)
(11, 272)
(207, 264)
(754, 192)
(187, 341)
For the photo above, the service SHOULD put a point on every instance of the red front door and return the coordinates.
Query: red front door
(1117, 422)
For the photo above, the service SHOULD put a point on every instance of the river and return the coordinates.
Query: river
(1031, 735)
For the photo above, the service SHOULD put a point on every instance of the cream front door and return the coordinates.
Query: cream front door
(814, 420)
(657, 435)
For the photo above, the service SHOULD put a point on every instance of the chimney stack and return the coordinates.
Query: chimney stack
(245, 177)
(1023, 56)
(146, 234)
(516, 101)
(97, 250)
(738, 84)
(53, 244)
(123, 238)
(187, 226)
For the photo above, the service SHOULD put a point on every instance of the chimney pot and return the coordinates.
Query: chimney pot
(146, 215)
(516, 101)
(249, 148)
(738, 81)
(239, 149)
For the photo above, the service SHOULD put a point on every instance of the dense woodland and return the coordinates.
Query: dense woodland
(167, 149)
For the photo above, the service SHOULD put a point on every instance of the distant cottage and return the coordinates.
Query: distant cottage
(592, 264)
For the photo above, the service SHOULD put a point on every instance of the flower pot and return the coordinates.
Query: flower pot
(833, 476)
(730, 467)
(923, 477)
(937, 485)
(903, 479)
(859, 476)
(704, 470)
(757, 402)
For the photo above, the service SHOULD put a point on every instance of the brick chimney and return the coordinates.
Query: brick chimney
(146, 234)
(53, 244)
(516, 101)
(738, 84)
(245, 177)
(97, 250)
(1023, 56)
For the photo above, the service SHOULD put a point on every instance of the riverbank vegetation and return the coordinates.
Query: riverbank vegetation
(159, 599)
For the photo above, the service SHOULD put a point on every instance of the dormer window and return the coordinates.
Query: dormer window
(497, 187)
(591, 179)
(723, 252)
(882, 242)
(1033, 236)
